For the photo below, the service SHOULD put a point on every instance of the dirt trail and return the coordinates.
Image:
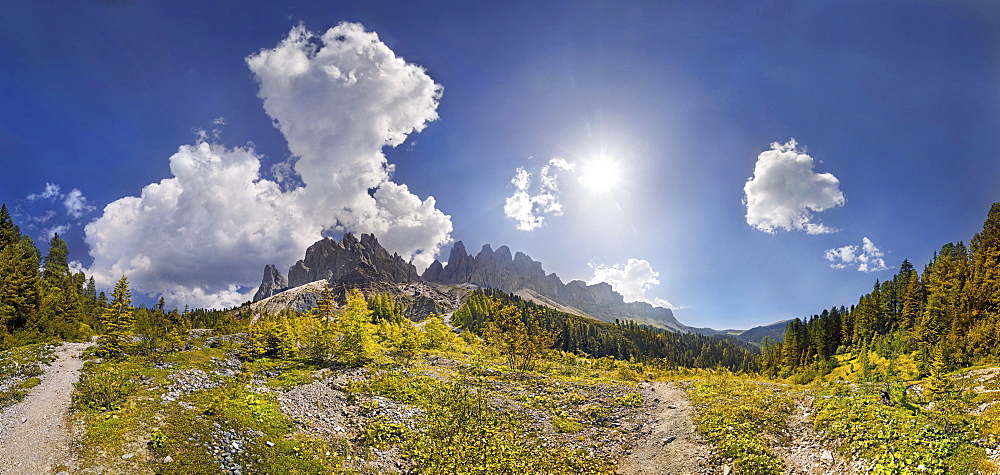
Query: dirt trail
(35, 434)
(670, 445)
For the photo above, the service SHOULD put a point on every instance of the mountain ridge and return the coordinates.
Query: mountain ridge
(353, 261)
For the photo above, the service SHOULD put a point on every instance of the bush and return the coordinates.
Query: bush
(104, 388)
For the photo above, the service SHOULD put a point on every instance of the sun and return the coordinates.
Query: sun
(601, 175)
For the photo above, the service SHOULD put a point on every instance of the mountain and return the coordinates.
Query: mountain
(519, 274)
(755, 335)
(354, 262)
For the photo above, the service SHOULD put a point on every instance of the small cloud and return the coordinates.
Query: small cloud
(51, 211)
(869, 259)
(784, 192)
(529, 210)
(49, 233)
(76, 204)
(632, 280)
(51, 192)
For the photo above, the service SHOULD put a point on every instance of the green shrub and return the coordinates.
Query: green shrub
(566, 425)
(381, 431)
(104, 388)
(630, 400)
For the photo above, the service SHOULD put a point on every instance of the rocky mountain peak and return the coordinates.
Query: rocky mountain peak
(350, 261)
(272, 283)
(499, 270)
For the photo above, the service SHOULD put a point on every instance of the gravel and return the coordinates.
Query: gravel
(36, 434)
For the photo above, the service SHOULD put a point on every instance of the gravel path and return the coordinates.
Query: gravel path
(670, 445)
(35, 434)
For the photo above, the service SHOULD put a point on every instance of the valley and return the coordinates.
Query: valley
(373, 368)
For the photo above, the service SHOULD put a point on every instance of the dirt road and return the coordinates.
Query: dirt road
(35, 434)
(672, 447)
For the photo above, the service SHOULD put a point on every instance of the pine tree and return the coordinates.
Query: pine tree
(119, 320)
(320, 336)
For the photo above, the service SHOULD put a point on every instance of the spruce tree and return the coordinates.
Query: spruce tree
(56, 261)
(19, 283)
(9, 232)
(118, 319)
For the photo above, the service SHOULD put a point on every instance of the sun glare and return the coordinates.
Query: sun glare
(601, 175)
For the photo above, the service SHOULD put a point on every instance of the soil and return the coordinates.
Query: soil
(669, 445)
(36, 434)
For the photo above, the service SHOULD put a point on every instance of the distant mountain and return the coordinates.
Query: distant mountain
(755, 335)
(353, 262)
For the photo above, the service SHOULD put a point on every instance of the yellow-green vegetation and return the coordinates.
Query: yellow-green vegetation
(740, 417)
(898, 436)
(441, 403)
(186, 409)
(19, 368)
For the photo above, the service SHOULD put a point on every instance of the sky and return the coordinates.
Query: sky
(741, 163)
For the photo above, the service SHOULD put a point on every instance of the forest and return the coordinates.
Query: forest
(936, 320)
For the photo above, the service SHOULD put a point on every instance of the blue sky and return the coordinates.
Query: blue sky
(894, 108)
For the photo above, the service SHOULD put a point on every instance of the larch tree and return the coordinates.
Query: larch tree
(357, 343)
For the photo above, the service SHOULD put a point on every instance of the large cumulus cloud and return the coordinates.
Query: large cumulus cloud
(202, 235)
(784, 191)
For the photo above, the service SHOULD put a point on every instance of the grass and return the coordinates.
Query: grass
(19, 371)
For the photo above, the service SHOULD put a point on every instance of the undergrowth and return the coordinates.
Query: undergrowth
(740, 416)
(900, 438)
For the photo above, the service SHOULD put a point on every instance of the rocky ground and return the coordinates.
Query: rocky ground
(806, 452)
(36, 434)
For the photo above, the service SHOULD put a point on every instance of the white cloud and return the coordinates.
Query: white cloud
(202, 235)
(784, 192)
(869, 259)
(76, 204)
(631, 280)
(51, 192)
(49, 233)
(41, 212)
(529, 210)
